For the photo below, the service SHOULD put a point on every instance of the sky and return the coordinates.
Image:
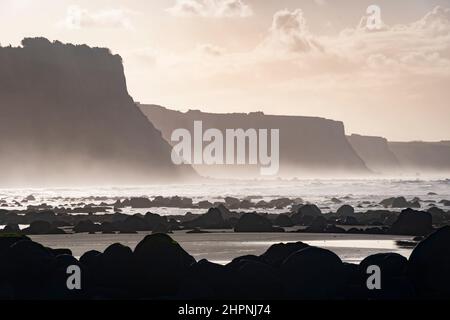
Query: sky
(295, 57)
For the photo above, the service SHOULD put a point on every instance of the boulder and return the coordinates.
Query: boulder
(413, 223)
(28, 266)
(161, 263)
(318, 225)
(277, 253)
(42, 227)
(429, 266)
(211, 220)
(86, 226)
(346, 210)
(283, 220)
(205, 280)
(140, 203)
(313, 273)
(252, 222)
(305, 213)
(11, 228)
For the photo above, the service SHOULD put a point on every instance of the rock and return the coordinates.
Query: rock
(259, 281)
(438, 215)
(140, 203)
(350, 221)
(318, 225)
(346, 210)
(117, 269)
(445, 203)
(205, 205)
(391, 264)
(86, 226)
(107, 228)
(28, 266)
(277, 253)
(154, 220)
(42, 227)
(283, 220)
(252, 222)
(413, 223)
(429, 265)
(400, 202)
(432, 194)
(59, 252)
(232, 203)
(209, 281)
(161, 263)
(281, 203)
(313, 273)
(11, 228)
(211, 220)
(7, 240)
(336, 200)
(134, 223)
(305, 213)
(30, 198)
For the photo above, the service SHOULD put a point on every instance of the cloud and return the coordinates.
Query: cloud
(211, 8)
(289, 32)
(79, 18)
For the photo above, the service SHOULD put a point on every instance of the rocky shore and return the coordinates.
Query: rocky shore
(393, 216)
(159, 268)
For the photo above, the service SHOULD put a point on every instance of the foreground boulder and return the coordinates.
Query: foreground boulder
(252, 222)
(279, 252)
(429, 265)
(413, 223)
(394, 283)
(161, 263)
(313, 273)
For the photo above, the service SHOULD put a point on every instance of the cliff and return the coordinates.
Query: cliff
(66, 117)
(309, 147)
(376, 153)
(423, 157)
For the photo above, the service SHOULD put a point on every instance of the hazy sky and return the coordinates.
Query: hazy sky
(302, 57)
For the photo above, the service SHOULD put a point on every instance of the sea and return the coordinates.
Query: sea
(223, 246)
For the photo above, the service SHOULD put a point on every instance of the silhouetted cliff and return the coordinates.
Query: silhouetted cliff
(66, 116)
(376, 153)
(309, 147)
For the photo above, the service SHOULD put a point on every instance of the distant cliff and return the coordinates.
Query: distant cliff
(423, 157)
(376, 153)
(66, 116)
(309, 147)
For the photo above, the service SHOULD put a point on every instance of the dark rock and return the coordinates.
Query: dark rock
(205, 205)
(277, 253)
(283, 220)
(86, 226)
(206, 280)
(318, 225)
(252, 222)
(140, 203)
(259, 281)
(11, 228)
(336, 200)
(429, 265)
(346, 210)
(313, 273)
(211, 220)
(306, 214)
(134, 223)
(161, 263)
(42, 227)
(28, 266)
(411, 222)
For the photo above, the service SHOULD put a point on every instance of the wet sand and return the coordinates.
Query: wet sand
(222, 247)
